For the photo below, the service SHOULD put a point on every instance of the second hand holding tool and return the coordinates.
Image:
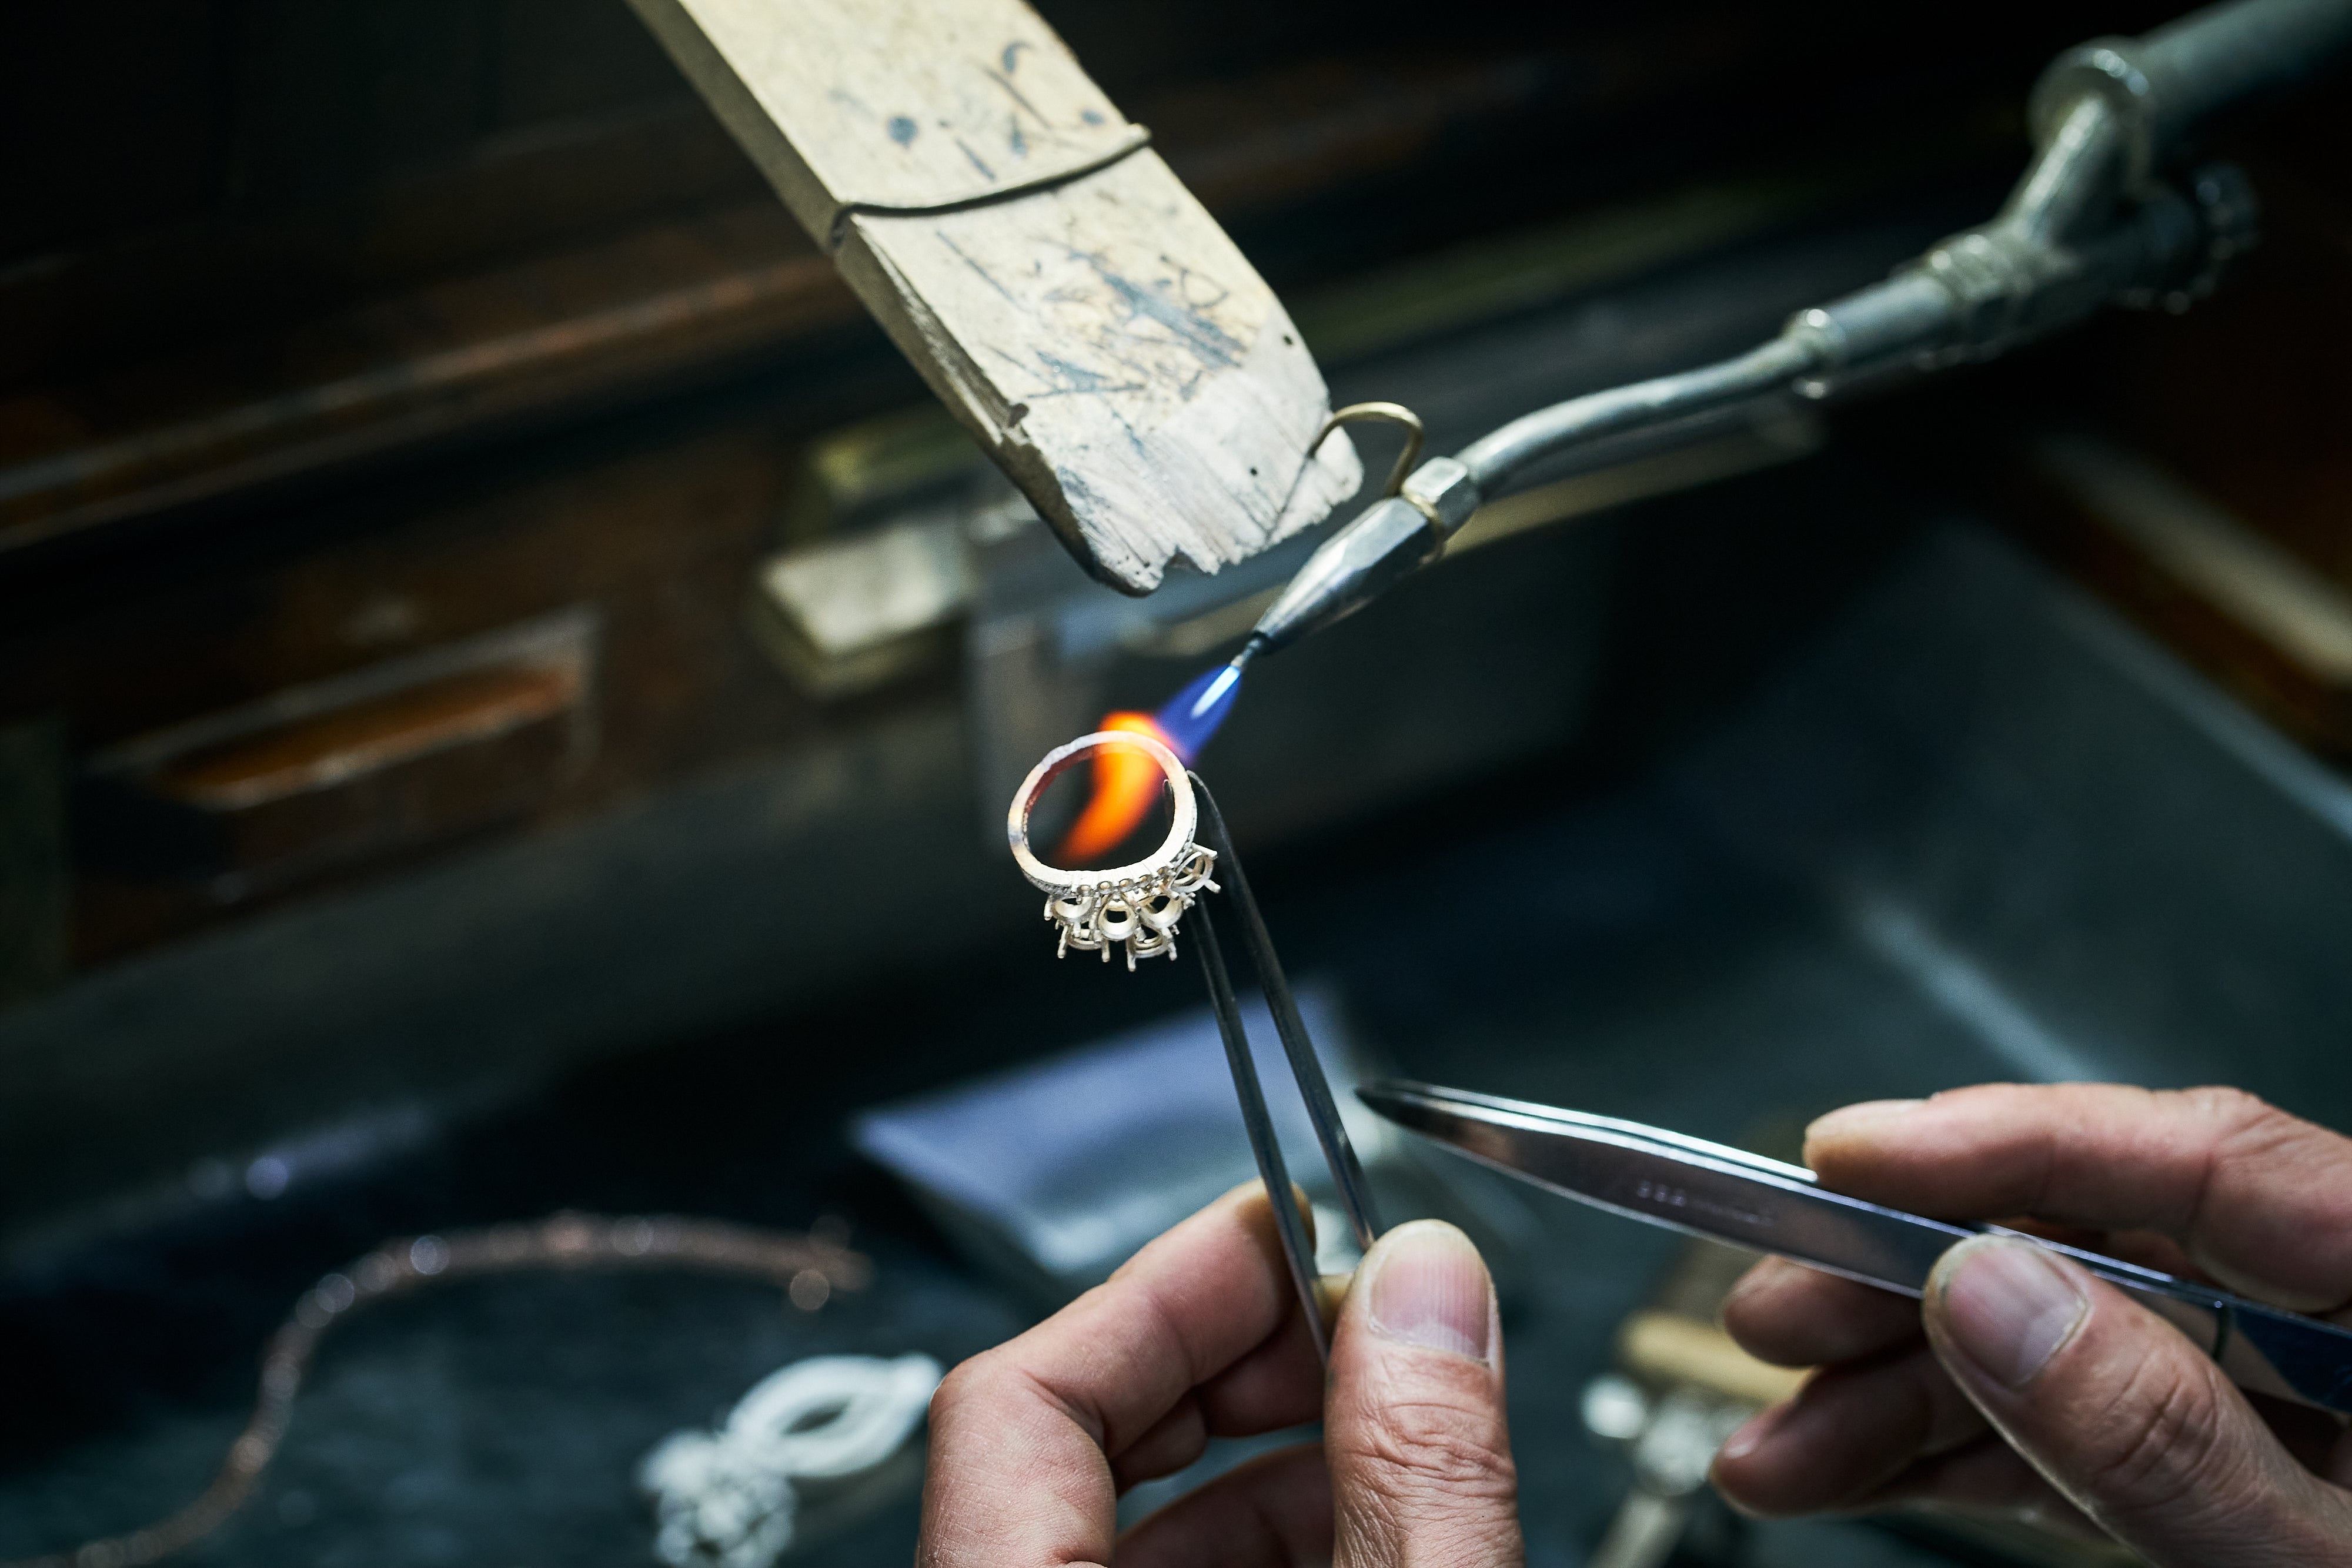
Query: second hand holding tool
(1763, 1206)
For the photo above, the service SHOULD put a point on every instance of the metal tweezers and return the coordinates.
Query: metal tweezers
(1346, 1174)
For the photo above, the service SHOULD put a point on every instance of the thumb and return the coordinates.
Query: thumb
(1412, 1425)
(2119, 1411)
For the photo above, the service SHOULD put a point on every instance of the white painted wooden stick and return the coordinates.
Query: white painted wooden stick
(1054, 283)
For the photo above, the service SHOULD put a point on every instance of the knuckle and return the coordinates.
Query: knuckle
(988, 1386)
(996, 1390)
(964, 1388)
(2229, 1103)
(2240, 1117)
(2160, 1439)
(2249, 1136)
(1429, 1448)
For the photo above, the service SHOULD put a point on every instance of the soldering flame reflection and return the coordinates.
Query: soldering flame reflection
(1127, 783)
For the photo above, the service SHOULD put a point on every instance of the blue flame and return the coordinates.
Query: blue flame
(1190, 717)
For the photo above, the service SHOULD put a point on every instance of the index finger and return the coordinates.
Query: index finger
(1023, 1436)
(2262, 1200)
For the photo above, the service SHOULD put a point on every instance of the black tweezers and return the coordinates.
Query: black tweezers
(1346, 1175)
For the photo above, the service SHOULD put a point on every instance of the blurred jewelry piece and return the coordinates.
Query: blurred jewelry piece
(731, 1497)
(807, 1268)
(1136, 905)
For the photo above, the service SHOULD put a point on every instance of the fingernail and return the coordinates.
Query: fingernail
(1765, 1272)
(1753, 1434)
(1429, 1287)
(1850, 1119)
(2007, 1306)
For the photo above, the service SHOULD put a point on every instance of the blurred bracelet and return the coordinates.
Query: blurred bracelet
(808, 1268)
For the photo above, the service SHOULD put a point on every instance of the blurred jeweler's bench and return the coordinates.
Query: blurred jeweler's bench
(466, 566)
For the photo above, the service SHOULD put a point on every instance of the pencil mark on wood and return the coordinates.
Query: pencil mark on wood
(1078, 379)
(1004, 80)
(1191, 325)
(984, 275)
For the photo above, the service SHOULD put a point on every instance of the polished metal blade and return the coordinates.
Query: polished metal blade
(1686, 1183)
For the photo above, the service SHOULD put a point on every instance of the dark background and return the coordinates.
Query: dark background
(334, 334)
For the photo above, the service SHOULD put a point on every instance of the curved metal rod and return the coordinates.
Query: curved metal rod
(1393, 413)
(1501, 452)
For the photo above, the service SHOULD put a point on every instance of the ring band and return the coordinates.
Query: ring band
(1135, 906)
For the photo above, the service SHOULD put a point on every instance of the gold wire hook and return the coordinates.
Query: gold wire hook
(1394, 413)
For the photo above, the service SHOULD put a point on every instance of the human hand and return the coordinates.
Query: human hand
(2034, 1388)
(1200, 1335)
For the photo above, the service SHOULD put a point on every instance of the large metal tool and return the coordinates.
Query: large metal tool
(2105, 215)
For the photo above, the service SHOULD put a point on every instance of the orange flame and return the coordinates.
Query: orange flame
(1127, 783)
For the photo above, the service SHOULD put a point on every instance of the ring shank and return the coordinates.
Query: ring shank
(1184, 811)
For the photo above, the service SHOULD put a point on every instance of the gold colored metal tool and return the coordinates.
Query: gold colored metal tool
(1391, 413)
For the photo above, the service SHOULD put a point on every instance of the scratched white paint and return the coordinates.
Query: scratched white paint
(892, 103)
(1124, 361)
(1100, 334)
